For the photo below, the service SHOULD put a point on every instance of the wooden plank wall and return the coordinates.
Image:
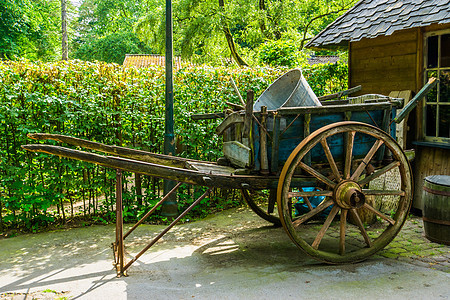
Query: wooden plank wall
(428, 161)
(395, 63)
(384, 64)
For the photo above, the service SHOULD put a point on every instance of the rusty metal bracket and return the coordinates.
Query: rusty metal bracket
(119, 247)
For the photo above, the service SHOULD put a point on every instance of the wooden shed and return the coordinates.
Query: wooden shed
(396, 46)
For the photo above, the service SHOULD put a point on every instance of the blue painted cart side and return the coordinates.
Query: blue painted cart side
(287, 127)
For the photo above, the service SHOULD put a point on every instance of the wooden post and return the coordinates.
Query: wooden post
(248, 119)
(119, 225)
(263, 142)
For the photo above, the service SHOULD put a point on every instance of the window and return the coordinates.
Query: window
(437, 102)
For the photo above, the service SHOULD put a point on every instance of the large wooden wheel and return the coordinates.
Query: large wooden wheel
(266, 210)
(346, 175)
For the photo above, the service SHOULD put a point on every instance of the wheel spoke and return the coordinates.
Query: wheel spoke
(383, 192)
(378, 173)
(307, 201)
(310, 194)
(330, 158)
(342, 226)
(378, 213)
(349, 153)
(366, 159)
(361, 227)
(325, 226)
(316, 174)
(312, 213)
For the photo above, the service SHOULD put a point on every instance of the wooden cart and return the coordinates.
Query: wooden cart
(331, 154)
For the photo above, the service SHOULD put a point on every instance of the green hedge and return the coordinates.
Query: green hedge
(110, 104)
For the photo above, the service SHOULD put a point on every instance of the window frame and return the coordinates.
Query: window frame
(436, 138)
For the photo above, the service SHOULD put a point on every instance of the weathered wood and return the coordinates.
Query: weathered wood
(429, 161)
(160, 171)
(383, 192)
(310, 194)
(386, 232)
(381, 215)
(338, 95)
(366, 159)
(414, 101)
(233, 84)
(316, 174)
(217, 115)
(306, 133)
(385, 63)
(235, 106)
(208, 168)
(331, 109)
(321, 207)
(238, 153)
(349, 153)
(375, 174)
(266, 215)
(325, 226)
(361, 227)
(330, 159)
(248, 118)
(231, 119)
(342, 226)
(275, 144)
(166, 160)
(263, 142)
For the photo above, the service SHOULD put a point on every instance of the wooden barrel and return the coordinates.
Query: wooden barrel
(436, 208)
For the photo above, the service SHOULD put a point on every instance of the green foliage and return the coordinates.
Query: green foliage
(327, 78)
(111, 48)
(110, 104)
(281, 53)
(29, 29)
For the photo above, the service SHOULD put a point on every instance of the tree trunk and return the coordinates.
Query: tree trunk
(237, 58)
(65, 47)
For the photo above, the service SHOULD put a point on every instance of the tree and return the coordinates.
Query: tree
(29, 29)
(65, 47)
(111, 48)
(105, 30)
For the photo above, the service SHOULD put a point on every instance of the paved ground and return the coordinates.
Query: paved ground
(232, 255)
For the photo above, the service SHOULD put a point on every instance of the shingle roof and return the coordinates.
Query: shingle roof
(145, 60)
(372, 18)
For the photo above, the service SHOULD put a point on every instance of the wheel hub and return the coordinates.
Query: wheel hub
(347, 195)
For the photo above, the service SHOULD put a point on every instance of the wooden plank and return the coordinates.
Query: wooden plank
(217, 115)
(166, 160)
(334, 108)
(389, 67)
(394, 49)
(397, 37)
(402, 128)
(411, 104)
(238, 153)
(160, 171)
(275, 144)
(230, 120)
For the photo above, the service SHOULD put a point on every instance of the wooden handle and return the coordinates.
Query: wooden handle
(413, 103)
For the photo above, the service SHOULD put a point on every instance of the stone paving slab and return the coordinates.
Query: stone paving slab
(411, 246)
(231, 255)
